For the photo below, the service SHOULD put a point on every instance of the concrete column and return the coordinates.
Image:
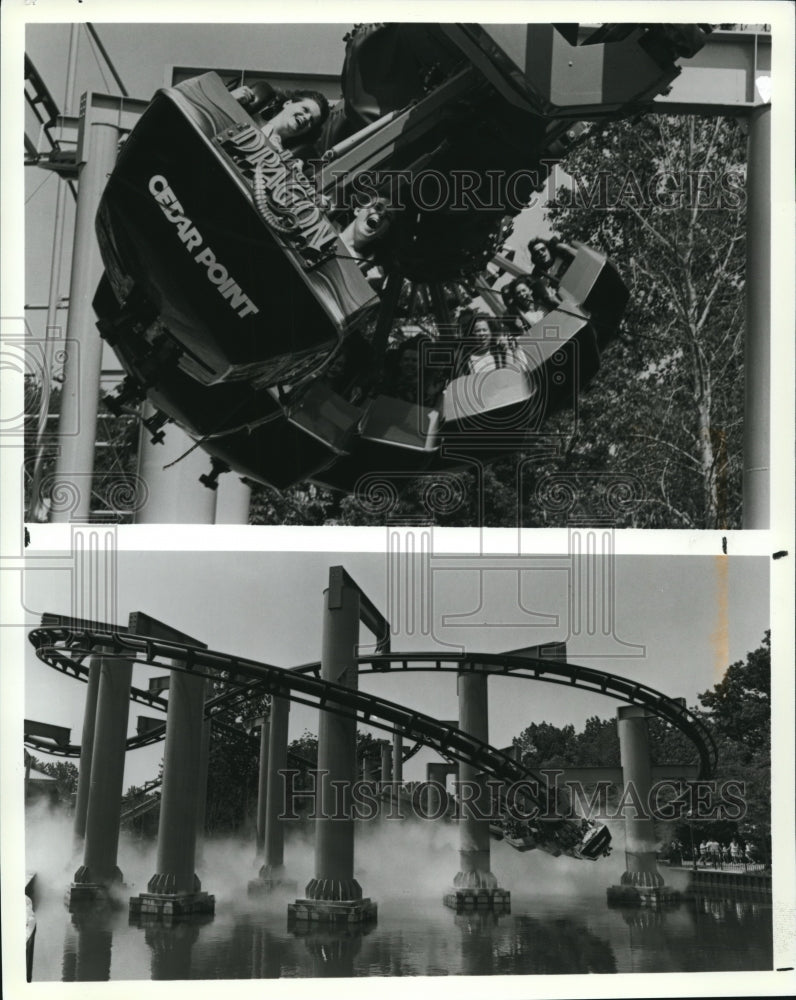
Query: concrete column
(86, 749)
(757, 346)
(176, 857)
(368, 768)
(386, 762)
(262, 787)
(397, 757)
(641, 868)
(174, 495)
(71, 490)
(337, 750)
(277, 761)
(107, 775)
(474, 849)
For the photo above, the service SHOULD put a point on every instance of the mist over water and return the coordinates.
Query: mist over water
(559, 920)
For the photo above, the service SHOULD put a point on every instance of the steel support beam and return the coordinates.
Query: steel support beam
(641, 867)
(274, 830)
(262, 788)
(757, 345)
(474, 848)
(86, 750)
(337, 753)
(233, 499)
(99, 869)
(397, 757)
(175, 889)
(103, 121)
(173, 493)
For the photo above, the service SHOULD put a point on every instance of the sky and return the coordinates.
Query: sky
(683, 620)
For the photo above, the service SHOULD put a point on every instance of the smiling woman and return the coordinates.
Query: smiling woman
(293, 115)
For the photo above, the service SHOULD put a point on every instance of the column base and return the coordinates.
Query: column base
(332, 911)
(465, 900)
(171, 905)
(642, 895)
(83, 895)
(262, 885)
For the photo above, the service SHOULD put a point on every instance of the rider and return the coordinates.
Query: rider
(290, 117)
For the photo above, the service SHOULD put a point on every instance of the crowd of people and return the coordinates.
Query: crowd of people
(715, 854)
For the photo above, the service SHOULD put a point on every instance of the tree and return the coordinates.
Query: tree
(739, 706)
(64, 772)
(663, 197)
(544, 745)
(739, 712)
(598, 744)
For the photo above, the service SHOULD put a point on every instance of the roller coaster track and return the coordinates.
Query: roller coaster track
(64, 648)
(225, 701)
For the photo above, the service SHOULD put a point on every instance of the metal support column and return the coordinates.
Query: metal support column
(397, 757)
(337, 754)
(233, 499)
(274, 866)
(386, 762)
(99, 138)
(474, 848)
(757, 346)
(641, 881)
(86, 750)
(173, 495)
(334, 894)
(175, 889)
(272, 872)
(201, 805)
(99, 870)
(262, 787)
(368, 768)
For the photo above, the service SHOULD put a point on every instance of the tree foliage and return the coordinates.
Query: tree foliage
(63, 771)
(664, 198)
(739, 706)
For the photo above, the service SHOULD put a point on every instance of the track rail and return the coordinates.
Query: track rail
(61, 647)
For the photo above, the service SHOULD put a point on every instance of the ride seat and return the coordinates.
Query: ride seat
(592, 281)
(498, 401)
(326, 416)
(400, 424)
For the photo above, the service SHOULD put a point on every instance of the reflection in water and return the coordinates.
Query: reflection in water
(414, 937)
(529, 946)
(171, 946)
(255, 945)
(704, 932)
(332, 952)
(87, 946)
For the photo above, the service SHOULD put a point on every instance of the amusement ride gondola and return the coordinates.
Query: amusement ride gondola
(259, 293)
